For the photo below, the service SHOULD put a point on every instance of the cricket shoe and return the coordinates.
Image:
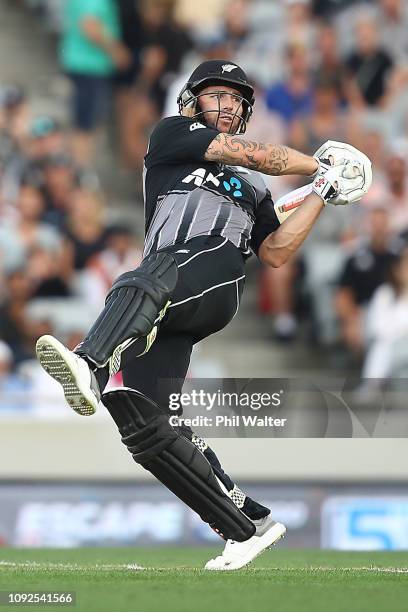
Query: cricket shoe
(238, 554)
(72, 372)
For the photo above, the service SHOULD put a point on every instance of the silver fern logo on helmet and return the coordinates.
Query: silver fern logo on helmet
(228, 67)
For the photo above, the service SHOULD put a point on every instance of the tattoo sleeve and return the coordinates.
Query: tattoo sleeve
(267, 158)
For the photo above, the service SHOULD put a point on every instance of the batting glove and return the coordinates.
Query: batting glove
(340, 185)
(360, 171)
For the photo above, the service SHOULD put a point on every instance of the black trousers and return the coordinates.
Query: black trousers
(206, 298)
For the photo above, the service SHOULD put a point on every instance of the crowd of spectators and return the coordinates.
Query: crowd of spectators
(321, 70)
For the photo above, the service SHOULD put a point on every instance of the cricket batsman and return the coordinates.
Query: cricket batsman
(206, 209)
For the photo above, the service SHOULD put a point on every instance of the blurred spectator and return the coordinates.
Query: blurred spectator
(85, 228)
(368, 64)
(244, 32)
(43, 136)
(390, 188)
(370, 134)
(47, 137)
(45, 274)
(265, 126)
(328, 8)
(120, 255)
(131, 27)
(14, 104)
(396, 195)
(210, 13)
(60, 179)
(91, 51)
(327, 121)
(26, 230)
(235, 25)
(299, 27)
(163, 46)
(293, 96)
(393, 16)
(14, 127)
(328, 63)
(387, 325)
(6, 360)
(364, 271)
(14, 327)
(13, 389)
(13, 120)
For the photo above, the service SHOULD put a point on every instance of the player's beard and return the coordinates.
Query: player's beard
(226, 122)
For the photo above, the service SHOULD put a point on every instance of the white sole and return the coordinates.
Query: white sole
(54, 358)
(269, 539)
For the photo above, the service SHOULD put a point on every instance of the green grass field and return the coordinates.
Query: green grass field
(172, 580)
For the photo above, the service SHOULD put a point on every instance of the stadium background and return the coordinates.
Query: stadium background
(72, 220)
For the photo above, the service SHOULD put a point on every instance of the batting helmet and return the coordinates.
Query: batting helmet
(217, 72)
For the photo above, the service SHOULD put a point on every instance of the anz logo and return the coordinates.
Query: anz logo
(200, 176)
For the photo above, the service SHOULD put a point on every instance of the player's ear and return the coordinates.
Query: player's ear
(188, 111)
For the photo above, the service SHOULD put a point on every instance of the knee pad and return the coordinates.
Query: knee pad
(134, 306)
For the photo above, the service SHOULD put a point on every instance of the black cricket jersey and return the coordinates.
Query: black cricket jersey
(186, 196)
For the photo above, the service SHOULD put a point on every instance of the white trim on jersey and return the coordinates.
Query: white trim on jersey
(201, 252)
(192, 221)
(227, 221)
(194, 297)
(236, 286)
(181, 219)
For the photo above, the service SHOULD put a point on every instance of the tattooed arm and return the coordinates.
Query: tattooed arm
(267, 158)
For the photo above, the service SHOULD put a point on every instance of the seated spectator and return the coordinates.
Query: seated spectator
(364, 271)
(6, 360)
(393, 16)
(235, 25)
(292, 97)
(391, 189)
(44, 136)
(266, 126)
(14, 328)
(326, 121)
(44, 271)
(27, 230)
(85, 228)
(59, 182)
(328, 63)
(370, 135)
(299, 27)
(387, 325)
(13, 388)
(368, 65)
(47, 137)
(16, 109)
(328, 8)
(13, 116)
(14, 127)
(120, 255)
